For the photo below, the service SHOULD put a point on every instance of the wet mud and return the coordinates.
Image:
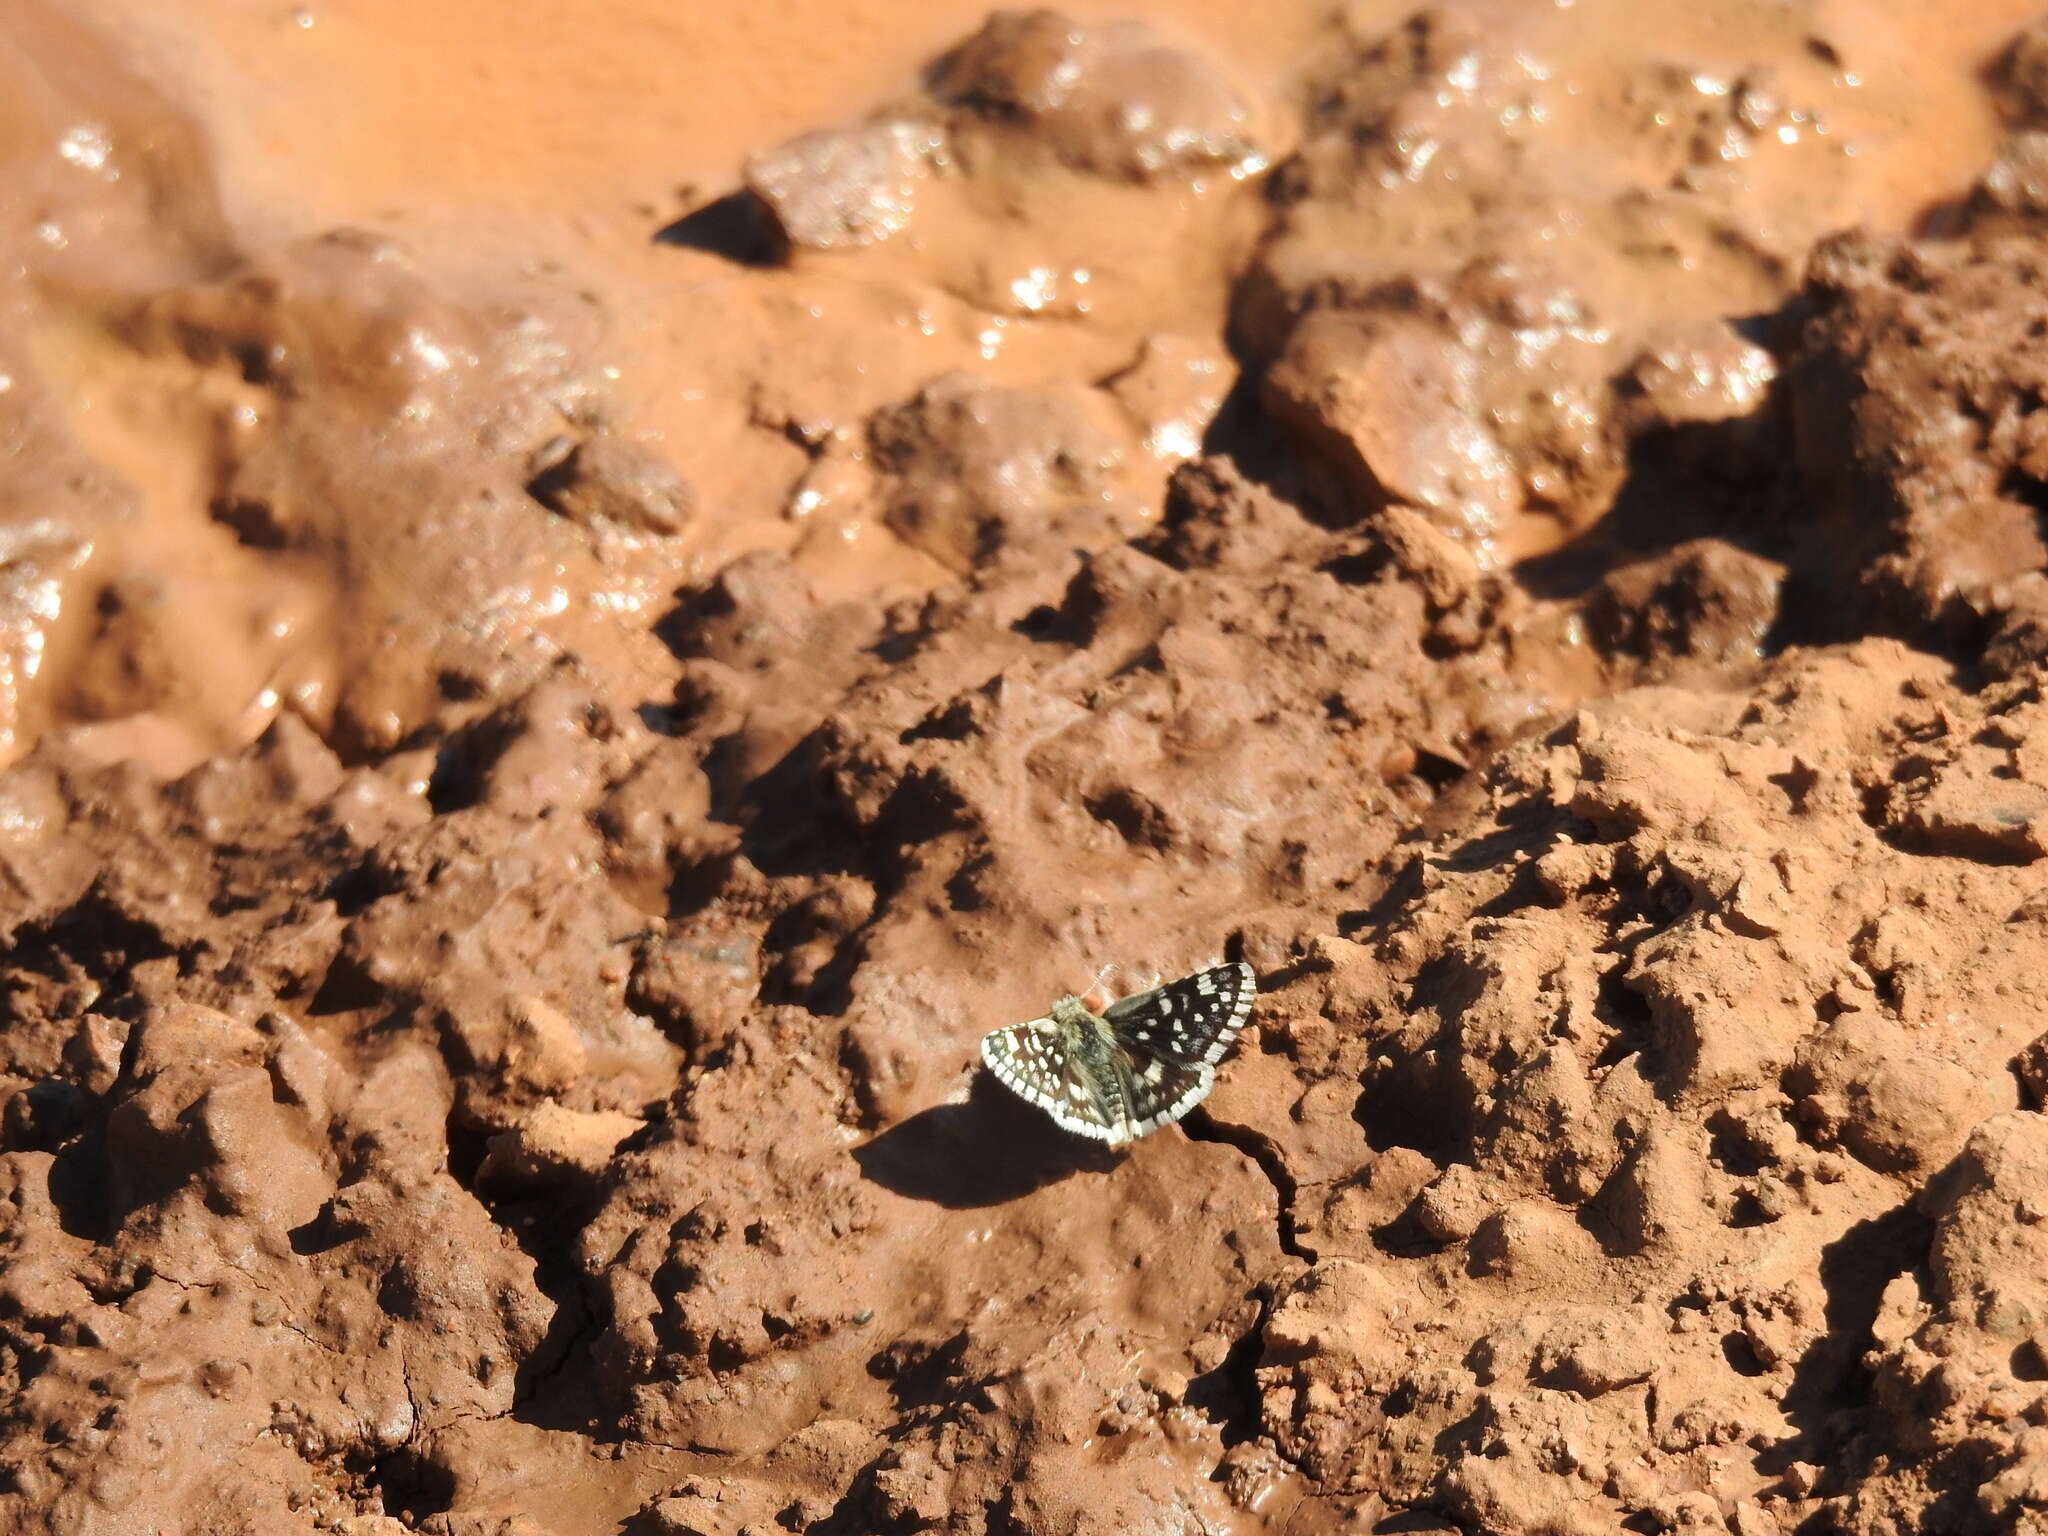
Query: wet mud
(552, 690)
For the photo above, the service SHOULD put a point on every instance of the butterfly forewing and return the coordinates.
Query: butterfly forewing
(1189, 1022)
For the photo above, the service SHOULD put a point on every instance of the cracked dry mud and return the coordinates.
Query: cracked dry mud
(546, 714)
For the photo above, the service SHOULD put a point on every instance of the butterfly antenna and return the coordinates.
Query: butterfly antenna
(1100, 985)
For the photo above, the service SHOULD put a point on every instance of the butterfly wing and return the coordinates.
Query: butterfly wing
(1190, 1022)
(1030, 1060)
(1163, 1064)
(1166, 1090)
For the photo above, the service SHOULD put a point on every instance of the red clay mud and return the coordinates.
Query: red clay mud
(552, 691)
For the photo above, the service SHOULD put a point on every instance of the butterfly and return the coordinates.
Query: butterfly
(1141, 1063)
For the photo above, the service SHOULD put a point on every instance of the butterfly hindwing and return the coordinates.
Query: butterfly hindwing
(1028, 1059)
(1190, 1022)
(1166, 1090)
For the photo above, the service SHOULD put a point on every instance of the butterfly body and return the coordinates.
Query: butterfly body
(1088, 1043)
(1141, 1063)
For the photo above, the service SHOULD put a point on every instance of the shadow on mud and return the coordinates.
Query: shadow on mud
(737, 226)
(991, 1149)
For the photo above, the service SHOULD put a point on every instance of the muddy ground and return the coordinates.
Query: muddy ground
(583, 607)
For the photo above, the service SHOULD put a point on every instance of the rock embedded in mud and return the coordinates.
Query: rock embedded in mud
(1710, 374)
(2016, 183)
(1390, 404)
(713, 1506)
(1895, 1104)
(554, 1147)
(1114, 99)
(1452, 1208)
(842, 187)
(608, 479)
(1475, 394)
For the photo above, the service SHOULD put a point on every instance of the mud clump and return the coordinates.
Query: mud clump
(1029, 91)
(841, 187)
(611, 480)
(1568, 618)
(1114, 100)
(1469, 272)
(971, 467)
(1916, 435)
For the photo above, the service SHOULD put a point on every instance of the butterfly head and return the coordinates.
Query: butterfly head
(1073, 1013)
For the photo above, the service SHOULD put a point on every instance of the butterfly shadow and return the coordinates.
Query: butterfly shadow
(992, 1149)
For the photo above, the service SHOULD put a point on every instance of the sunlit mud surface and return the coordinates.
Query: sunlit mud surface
(589, 594)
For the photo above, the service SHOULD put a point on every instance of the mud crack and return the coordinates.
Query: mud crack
(1203, 1126)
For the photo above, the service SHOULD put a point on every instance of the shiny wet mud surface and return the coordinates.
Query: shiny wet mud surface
(582, 608)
